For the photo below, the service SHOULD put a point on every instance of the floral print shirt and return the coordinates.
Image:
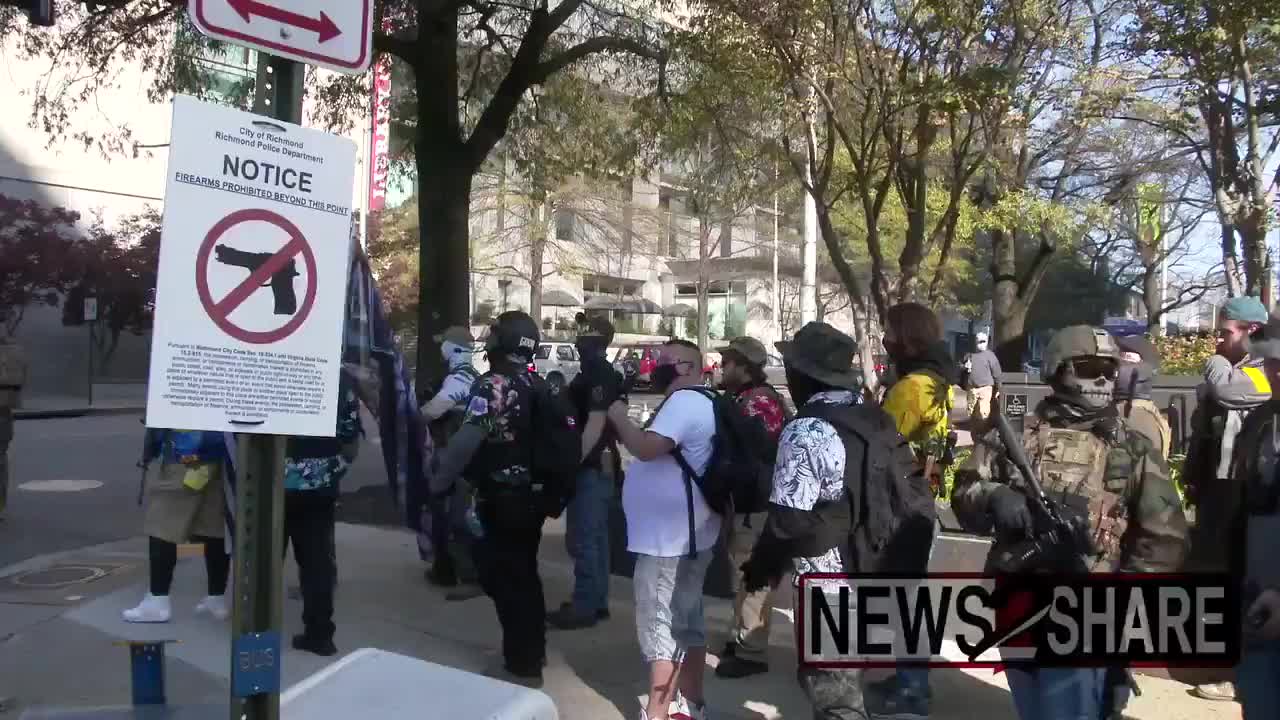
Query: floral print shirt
(496, 406)
(810, 470)
(324, 473)
(763, 402)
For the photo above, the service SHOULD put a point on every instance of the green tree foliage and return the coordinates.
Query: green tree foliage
(38, 262)
(472, 66)
(118, 268)
(1185, 354)
(1207, 76)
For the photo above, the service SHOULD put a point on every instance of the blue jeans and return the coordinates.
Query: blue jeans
(1258, 681)
(1058, 693)
(916, 679)
(587, 539)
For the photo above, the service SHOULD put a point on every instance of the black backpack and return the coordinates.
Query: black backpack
(892, 506)
(557, 447)
(738, 477)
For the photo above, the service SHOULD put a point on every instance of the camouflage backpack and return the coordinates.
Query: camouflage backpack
(1088, 478)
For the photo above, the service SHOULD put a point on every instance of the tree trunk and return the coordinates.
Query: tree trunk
(1008, 309)
(1231, 261)
(443, 294)
(1253, 240)
(445, 175)
(1153, 300)
(537, 250)
(704, 332)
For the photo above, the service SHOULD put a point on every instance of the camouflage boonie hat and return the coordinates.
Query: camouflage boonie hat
(751, 350)
(1073, 342)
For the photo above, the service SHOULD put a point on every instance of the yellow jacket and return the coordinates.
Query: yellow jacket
(920, 404)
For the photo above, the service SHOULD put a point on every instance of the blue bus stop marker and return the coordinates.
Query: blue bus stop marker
(255, 664)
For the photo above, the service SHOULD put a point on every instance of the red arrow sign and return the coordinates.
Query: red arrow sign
(324, 27)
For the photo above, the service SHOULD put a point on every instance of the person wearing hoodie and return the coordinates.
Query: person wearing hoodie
(449, 540)
(920, 403)
(1253, 506)
(1138, 361)
(1234, 384)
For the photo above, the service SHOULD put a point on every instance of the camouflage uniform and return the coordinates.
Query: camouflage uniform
(1102, 474)
(1135, 516)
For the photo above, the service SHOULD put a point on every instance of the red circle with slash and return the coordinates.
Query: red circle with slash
(220, 310)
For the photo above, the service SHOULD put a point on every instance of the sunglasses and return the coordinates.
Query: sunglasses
(1092, 368)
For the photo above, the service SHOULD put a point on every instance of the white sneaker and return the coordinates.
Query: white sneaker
(678, 708)
(152, 609)
(215, 605)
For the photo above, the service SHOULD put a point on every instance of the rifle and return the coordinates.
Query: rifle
(281, 280)
(1060, 544)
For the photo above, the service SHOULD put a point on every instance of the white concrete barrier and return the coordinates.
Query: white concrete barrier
(371, 683)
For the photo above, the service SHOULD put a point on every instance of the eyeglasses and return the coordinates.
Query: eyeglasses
(1092, 368)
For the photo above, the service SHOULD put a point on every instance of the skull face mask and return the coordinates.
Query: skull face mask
(1086, 382)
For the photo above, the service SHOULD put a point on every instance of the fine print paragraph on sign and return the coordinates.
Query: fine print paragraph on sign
(247, 384)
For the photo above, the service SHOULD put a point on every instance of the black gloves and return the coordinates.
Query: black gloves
(1009, 509)
(755, 576)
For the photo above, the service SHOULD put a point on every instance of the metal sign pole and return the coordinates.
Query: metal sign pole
(259, 528)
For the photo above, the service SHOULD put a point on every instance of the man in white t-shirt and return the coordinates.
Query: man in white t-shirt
(669, 570)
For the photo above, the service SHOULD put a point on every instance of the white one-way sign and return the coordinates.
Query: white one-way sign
(336, 34)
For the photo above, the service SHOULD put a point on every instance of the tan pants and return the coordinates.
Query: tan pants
(751, 611)
(980, 402)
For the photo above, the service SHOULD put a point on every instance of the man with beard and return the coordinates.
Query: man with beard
(1234, 384)
(592, 391)
(747, 652)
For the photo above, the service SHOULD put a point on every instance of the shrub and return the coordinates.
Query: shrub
(1184, 354)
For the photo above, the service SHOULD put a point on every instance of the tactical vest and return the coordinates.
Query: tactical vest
(1090, 480)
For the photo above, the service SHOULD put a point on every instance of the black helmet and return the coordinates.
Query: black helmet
(513, 333)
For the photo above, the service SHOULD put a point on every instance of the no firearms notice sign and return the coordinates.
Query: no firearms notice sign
(254, 259)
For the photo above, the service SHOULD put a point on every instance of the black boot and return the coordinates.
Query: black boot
(442, 573)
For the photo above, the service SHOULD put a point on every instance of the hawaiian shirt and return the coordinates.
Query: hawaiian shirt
(810, 469)
(762, 402)
(324, 473)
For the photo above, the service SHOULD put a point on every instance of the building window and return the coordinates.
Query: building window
(220, 72)
(564, 225)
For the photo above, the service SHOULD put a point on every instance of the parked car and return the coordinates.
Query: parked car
(636, 363)
(711, 369)
(558, 363)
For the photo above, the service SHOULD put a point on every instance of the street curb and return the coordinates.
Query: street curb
(76, 412)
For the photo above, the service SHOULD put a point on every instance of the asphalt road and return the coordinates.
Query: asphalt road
(93, 498)
(74, 481)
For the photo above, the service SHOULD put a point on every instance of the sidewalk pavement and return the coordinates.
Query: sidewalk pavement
(57, 643)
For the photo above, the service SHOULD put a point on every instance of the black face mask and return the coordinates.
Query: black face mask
(591, 346)
(895, 350)
(663, 376)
